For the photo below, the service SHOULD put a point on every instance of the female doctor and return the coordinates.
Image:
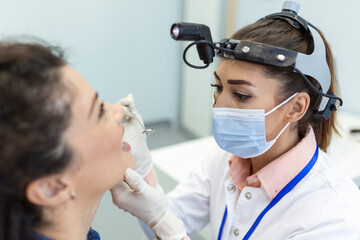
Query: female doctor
(286, 187)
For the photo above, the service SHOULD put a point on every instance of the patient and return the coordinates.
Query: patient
(61, 147)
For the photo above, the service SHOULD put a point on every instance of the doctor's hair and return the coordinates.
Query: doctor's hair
(34, 113)
(279, 33)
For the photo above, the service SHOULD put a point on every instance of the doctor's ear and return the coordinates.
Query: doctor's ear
(298, 107)
(48, 191)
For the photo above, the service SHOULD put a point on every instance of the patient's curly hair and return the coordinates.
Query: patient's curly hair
(34, 113)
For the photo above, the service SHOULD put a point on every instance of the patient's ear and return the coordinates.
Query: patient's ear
(48, 191)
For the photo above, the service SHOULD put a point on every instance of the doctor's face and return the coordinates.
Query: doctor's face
(244, 85)
(95, 135)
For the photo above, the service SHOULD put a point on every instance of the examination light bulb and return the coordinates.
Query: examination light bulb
(175, 31)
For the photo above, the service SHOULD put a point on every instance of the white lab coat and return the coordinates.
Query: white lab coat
(324, 205)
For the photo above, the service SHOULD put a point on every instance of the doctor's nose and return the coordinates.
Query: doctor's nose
(221, 100)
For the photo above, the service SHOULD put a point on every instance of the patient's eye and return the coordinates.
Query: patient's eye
(102, 110)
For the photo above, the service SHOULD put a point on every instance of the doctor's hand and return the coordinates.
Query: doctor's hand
(149, 205)
(135, 137)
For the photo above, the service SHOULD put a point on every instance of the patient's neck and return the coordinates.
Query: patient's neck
(71, 220)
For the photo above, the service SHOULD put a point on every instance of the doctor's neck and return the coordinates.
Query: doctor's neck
(288, 139)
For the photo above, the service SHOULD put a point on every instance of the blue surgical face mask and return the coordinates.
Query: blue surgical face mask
(242, 131)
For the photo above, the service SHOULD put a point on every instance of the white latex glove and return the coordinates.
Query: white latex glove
(149, 205)
(135, 137)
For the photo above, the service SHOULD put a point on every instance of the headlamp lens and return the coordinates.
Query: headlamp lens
(175, 31)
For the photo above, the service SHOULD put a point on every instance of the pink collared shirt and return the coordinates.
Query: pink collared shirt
(274, 176)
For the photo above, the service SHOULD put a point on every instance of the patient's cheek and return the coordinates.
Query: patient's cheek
(132, 163)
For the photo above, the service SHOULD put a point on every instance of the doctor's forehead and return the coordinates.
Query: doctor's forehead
(251, 74)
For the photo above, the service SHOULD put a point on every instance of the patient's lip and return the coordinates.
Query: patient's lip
(126, 147)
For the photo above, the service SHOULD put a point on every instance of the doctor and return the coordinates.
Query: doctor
(271, 178)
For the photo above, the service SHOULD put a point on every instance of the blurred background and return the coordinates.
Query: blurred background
(124, 46)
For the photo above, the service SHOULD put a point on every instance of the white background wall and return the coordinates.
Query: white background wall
(119, 46)
(196, 91)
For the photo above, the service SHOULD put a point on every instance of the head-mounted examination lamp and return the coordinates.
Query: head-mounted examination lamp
(195, 32)
(306, 65)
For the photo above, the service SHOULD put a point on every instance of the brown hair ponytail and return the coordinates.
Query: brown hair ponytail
(278, 32)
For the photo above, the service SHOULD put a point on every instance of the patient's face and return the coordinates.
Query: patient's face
(96, 136)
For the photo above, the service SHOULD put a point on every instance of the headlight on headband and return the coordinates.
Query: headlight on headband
(195, 32)
(306, 65)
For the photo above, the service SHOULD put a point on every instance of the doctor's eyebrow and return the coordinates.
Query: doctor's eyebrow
(217, 76)
(235, 81)
(93, 103)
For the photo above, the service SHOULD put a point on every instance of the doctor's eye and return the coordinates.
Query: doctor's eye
(241, 97)
(217, 87)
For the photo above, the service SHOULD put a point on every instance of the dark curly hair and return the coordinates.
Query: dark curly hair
(34, 113)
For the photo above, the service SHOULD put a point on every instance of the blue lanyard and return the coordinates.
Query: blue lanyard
(277, 198)
(222, 224)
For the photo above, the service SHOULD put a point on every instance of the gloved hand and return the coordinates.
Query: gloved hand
(135, 137)
(148, 204)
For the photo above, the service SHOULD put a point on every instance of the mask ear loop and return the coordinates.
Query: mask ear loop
(281, 131)
(272, 110)
(284, 102)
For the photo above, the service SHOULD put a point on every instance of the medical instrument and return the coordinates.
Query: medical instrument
(145, 131)
(195, 32)
(277, 198)
(306, 65)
